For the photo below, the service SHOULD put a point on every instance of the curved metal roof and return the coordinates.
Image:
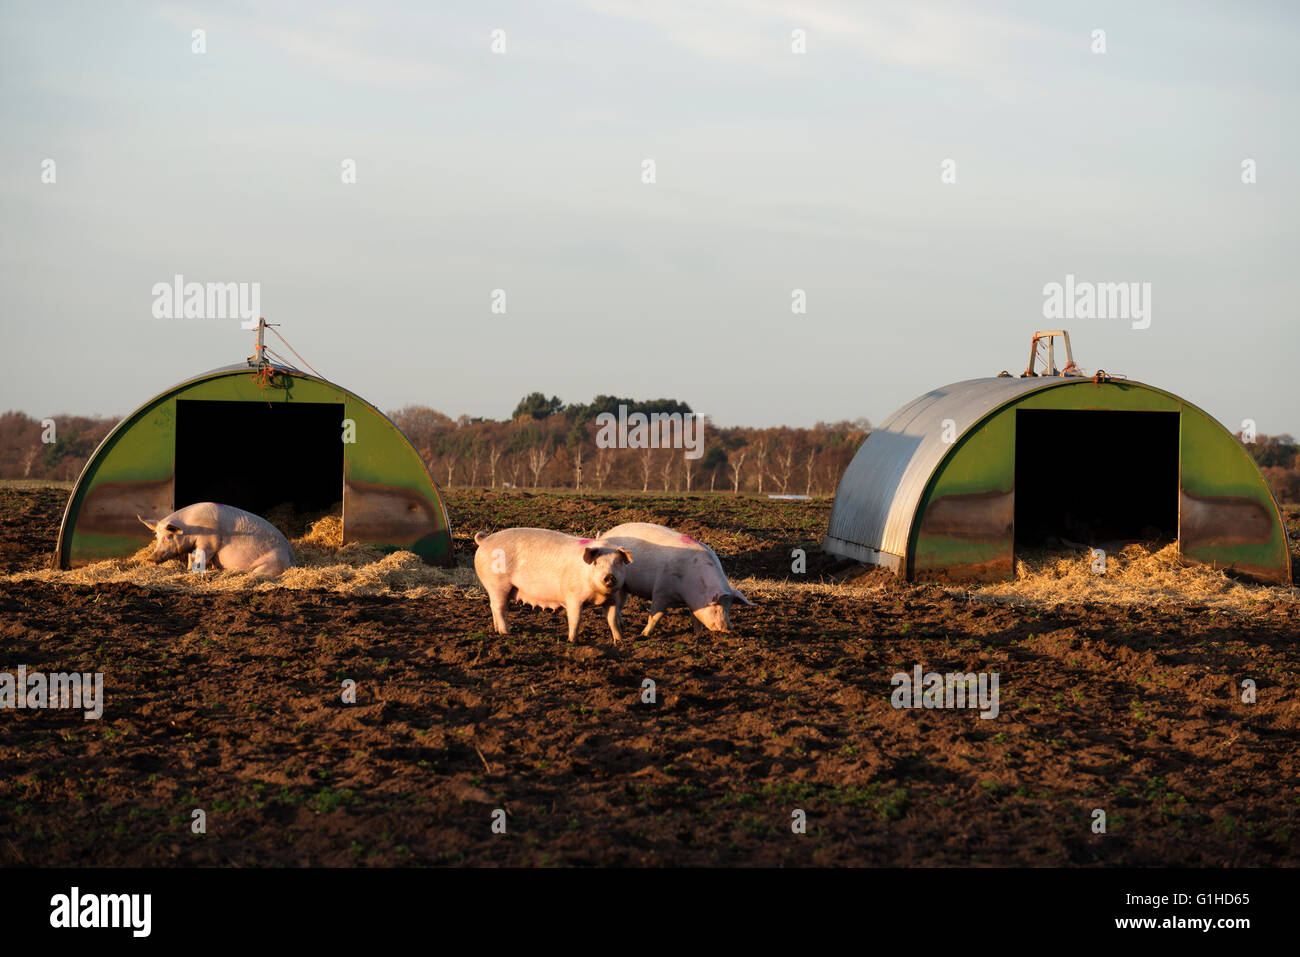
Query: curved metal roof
(882, 487)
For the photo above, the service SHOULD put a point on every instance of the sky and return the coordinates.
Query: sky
(523, 169)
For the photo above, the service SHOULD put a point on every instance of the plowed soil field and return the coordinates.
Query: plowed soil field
(230, 702)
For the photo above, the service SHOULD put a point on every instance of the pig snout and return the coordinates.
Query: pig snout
(609, 579)
(607, 567)
(169, 542)
(714, 617)
(173, 546)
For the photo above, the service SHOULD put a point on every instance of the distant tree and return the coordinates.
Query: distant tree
(422, 425)
(736, 463)
(783, 455)
(601, 469)
(762, 445)
(610, 404)
(1277, 451)
(538, 456)
(576, 443)
(66, 445)
(646, 463)
(535, 405)
(810, 462)
(475, 457)
(1285, 483)
(511, 467)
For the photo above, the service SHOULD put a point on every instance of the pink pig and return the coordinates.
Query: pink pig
(230, 538)
(674, 569)
(549, 570)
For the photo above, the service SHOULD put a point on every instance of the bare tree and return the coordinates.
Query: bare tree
(688, 470)
(538, 456)
(735, 463)
(450, 462)
(577, 466)
(784, 459)
(666, 470)
(809, 464)
(646, 462)
(604, 463)
(760, 457)
(494, 456)
(475, 460)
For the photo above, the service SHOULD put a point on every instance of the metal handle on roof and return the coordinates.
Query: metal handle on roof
(1050, 370)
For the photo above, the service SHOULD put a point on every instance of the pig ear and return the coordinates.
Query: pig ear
(152, 526)
(175, 530)
(627, 559)
(589, 554)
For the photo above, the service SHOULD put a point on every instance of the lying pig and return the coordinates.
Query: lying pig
(674, 569)
(551, 570)
(230, 538)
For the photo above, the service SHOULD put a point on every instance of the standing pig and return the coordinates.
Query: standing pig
(230, 538)
(674, 569)
(551, 570)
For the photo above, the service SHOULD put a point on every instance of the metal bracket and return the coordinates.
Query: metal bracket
(258, 359)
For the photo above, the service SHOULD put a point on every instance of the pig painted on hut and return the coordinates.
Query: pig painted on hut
(549, 570)
(230, 538)
(672, 569)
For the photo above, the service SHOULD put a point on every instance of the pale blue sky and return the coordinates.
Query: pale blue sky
(776, 171)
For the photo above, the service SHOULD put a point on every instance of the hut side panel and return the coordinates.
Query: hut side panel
(1227, 515)
(964, 531)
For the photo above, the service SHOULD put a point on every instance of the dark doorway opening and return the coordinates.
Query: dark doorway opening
(255, 455)
(1090, 477)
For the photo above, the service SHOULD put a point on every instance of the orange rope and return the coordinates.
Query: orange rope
(264, 377)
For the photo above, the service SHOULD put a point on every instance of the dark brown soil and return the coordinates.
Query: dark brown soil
(231, 703)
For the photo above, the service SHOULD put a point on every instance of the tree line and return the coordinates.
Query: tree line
(547, 443)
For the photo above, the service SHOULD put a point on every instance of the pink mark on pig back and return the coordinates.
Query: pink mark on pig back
(585, 541)
(688, 540)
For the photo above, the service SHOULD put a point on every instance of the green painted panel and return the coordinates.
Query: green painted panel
(1215, 466)
(981, 462)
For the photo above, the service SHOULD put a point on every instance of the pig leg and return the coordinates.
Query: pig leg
(615, 616)
(657, 606)
(574, 611)
(497, 599)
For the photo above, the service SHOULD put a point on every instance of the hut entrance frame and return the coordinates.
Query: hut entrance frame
(1094, 476)
(293, 453)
